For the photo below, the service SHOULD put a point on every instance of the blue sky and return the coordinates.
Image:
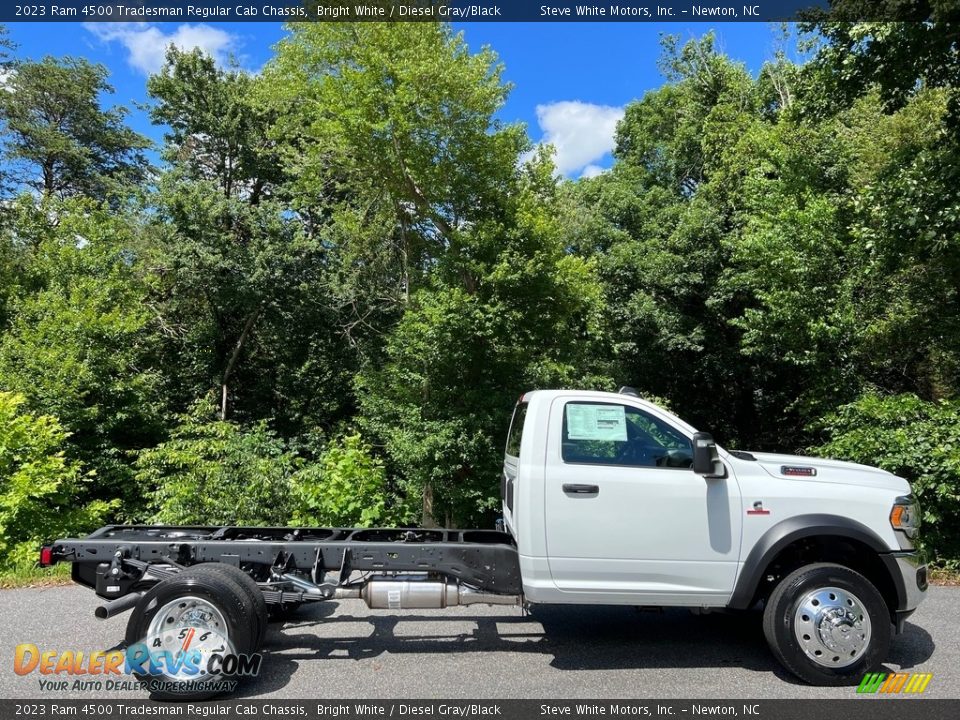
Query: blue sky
(571, 80)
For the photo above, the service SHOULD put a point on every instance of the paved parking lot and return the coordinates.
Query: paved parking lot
(344, 650)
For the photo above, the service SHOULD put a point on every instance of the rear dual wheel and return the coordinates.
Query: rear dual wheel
(183, 627)
(249, 588)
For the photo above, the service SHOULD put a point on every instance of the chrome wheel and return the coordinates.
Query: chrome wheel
(188, 611)
(832, 626)
(189, 631)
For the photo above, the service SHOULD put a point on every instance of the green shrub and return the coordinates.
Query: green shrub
(212, 472)
(40, 489)
(917, 440)
(346, 487)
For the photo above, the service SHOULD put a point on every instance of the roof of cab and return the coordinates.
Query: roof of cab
(597, 394)
(549, 395)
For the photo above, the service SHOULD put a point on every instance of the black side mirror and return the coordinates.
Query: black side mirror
(706, 460)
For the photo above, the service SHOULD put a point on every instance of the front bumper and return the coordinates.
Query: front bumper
(908, 570)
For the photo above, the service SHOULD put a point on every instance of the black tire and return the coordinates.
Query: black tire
(783, 617)
(249, 587)
(212, 587)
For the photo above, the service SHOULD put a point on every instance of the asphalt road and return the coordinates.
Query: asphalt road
(346, 651)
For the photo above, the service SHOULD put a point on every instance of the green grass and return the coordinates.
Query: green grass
(35, 576)
(943, 576)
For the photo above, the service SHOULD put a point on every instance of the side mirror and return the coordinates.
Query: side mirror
(706, 460)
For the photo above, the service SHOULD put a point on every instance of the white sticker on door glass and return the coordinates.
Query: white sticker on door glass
(596, 422)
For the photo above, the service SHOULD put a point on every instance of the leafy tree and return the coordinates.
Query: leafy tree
(457, 360)
(790, 260)
(392, 145)
(215, 131)
(81, 341)
(908, 221)
(42, 493)
(57, 138)
(15, 255)
(6, 45)
(244, 280)
(916, 440)
(346, 487)
(845, 249)
(915, 47)
(211, 472)
(244, 298)
(396, 159)
(775, 261)
(895, 84)
(659, 227)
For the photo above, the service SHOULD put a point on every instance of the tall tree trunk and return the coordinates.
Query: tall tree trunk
(428, 520)
(48, 177)
(232, 362)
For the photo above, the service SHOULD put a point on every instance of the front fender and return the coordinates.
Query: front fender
(788, 531)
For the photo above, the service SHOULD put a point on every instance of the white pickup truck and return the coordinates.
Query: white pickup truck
(607, 499)
(612, 499)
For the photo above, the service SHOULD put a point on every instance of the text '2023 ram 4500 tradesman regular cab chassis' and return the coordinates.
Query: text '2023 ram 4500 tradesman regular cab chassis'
(607, 499)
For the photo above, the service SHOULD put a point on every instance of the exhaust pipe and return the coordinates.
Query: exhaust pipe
(410, 592)
(115, 607)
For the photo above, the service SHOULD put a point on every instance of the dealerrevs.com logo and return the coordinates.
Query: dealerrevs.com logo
(894, 683)
(200, 661)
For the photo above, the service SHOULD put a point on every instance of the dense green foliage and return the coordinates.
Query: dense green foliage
(322, 303)
(347, 487)
(215, 472)
(43, 494)
(913, 439)
(80, 343)
(57, 139)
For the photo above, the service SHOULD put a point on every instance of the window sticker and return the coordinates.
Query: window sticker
(596, 422)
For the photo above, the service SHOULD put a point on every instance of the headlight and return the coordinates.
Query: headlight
(905, 515)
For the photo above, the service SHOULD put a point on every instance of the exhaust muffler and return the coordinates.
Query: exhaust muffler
(406, 592)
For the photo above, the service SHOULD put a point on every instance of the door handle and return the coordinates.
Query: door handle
(576, 489)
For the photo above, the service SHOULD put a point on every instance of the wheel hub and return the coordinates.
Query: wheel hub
(187, 627)
(188, 611)
(832, 627)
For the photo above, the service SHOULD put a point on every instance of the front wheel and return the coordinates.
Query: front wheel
(827, 624)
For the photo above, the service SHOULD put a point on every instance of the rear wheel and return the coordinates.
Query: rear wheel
(180, 625)
(827, 624)
(247, 585)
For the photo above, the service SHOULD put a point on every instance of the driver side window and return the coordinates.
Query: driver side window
(612, 434)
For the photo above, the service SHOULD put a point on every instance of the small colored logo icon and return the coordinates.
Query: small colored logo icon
(894, 683)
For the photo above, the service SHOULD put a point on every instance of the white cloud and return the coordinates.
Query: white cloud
(581, 133)
(591, 171)
(147, 45)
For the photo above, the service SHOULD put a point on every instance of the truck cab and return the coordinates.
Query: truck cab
(604, 497)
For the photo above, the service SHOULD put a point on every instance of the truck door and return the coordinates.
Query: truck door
(626, 518)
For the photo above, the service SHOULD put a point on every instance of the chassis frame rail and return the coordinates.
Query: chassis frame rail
(484, 559)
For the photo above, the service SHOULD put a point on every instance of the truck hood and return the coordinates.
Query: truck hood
(835, 471)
